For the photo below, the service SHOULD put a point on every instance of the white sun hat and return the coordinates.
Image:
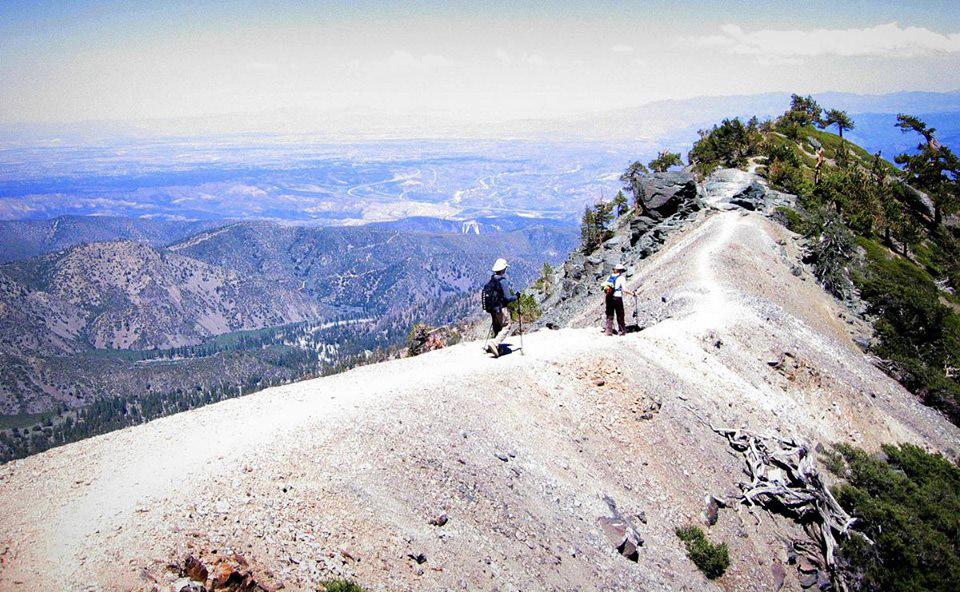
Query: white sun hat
(500, 265)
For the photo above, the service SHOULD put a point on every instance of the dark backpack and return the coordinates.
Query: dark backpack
(493, 295)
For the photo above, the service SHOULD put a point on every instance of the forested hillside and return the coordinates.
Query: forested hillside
(107, 334)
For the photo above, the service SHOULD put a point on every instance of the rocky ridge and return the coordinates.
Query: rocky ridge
(567, 468)
(668, 203)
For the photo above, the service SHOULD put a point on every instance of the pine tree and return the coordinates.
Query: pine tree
(934, 169)
(620, 203)
(631, 177)
(546, 277)
(664, 160)
(588, 230)
(804, 110)
(840, 119)
(602, 216)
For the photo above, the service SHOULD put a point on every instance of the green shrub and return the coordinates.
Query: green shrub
(784, 168)
(831, 250)
(712, 559)
(527, 305)
(729, 144)
(340, 586)
(916, 331)
(908, 504)
(797, 220)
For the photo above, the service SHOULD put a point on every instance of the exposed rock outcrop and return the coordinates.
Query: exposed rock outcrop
(664, 194)
(728, 189)
(668, 202)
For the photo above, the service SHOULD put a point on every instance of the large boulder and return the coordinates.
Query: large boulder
(614, 242)
(622, 537)
(753, 197)
(640, 226)
(664, 194)
(620, 531)
(573, 267)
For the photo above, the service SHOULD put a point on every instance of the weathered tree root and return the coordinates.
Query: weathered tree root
(785, 480)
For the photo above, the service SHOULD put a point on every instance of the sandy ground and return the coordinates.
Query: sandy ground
(341, 475)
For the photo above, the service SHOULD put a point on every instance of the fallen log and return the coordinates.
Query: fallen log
(785, 480)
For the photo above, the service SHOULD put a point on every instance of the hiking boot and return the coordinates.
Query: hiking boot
(493, 350)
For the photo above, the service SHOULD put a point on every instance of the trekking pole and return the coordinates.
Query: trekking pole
(520, 319)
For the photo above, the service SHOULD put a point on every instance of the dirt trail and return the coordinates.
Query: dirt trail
(341, 475)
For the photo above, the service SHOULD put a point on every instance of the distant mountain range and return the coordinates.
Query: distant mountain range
(673, 124)
(20, 239)
(676, 119)
(650, 122)
(67, 316)
(371, 270)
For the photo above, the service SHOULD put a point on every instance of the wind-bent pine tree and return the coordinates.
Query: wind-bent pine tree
(935, 169)
(840, 119)
(631, 177)
(665, 160)
(620, 204)
(805, 110)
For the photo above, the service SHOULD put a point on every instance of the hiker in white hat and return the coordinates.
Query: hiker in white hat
(496, 295)
(613, 290)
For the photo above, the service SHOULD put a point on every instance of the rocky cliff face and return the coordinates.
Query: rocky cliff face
(667, 203)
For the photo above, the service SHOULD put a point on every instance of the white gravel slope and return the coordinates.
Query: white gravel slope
(341, 475)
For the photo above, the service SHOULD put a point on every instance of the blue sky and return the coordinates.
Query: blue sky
(132, 61)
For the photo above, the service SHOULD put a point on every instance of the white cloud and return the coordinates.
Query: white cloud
(400, 63)
(261, 67)
(533, 59)
(621, 48)
(789, 46)
(526, 59)
(404, 60)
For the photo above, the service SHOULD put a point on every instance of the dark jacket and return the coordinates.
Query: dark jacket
(508, 295)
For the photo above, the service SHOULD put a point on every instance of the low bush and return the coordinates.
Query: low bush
(908, 504)
(712, 559)
(784, 168)
(916, 330)
(340, 586)
(729, 144)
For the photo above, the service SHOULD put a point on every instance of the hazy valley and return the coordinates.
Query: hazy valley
(230, 309)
